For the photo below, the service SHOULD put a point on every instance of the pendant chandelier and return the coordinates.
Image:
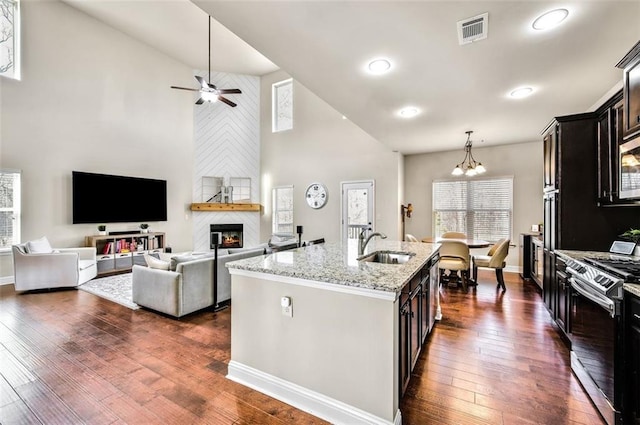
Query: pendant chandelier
(469, 166)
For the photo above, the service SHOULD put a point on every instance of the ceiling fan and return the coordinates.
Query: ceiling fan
(209, 92)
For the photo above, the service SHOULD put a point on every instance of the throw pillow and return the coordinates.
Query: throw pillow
(155, 263)
(39, 246)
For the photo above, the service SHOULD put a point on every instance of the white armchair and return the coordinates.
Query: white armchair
(65, 267)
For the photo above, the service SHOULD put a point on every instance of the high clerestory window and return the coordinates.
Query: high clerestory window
(10, 38)
(282, 106)
(482, 209)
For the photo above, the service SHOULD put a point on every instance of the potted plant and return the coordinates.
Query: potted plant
(102, 229)
(144, 227)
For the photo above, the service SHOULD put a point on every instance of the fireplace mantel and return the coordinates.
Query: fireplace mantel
(209, 206)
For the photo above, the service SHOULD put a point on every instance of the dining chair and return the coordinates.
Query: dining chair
(453, 235)
(495, 261)
(454, 256)
(410, 238)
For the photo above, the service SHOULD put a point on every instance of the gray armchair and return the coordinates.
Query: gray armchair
(65, 267)
(187, 289)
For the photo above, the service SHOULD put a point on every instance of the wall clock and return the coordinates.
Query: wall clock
(316, 195)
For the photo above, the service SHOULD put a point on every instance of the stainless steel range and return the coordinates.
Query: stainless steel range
(595, 327)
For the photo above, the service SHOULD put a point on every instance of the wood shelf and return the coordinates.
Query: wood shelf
(225, 207)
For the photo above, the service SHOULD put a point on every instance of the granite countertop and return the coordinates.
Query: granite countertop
(335, 263)
(633, 288)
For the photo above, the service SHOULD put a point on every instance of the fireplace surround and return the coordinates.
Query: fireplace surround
(231, 235)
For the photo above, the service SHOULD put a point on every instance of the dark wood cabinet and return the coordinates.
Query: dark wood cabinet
(563, 293)
(608, 150)
(415, 320)
(549, 284)
(537, 261)
(632, 357)
(631, 92)
(610, 137)
(550, 160)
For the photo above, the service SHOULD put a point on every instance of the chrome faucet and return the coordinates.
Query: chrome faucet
(362, 242)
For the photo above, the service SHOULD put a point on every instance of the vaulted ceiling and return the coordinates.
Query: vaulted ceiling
(326, 45)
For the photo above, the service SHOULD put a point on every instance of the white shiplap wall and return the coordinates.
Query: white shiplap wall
(227, 144)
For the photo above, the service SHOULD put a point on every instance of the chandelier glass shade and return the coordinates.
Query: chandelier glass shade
(469, 166)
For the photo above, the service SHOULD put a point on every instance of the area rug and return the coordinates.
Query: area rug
(115, 288)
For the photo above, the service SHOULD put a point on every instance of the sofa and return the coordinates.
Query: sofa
(185, 284)
(46, 268)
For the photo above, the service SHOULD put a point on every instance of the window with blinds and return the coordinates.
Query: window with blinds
(482, 209)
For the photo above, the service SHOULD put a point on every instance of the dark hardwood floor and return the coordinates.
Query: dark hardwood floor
(69, 357)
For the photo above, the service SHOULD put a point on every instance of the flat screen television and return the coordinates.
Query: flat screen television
(104, 198)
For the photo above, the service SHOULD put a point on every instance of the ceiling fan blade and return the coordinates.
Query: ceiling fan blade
(227, 101)
(202, 82)
(200, 101)
(184, 88)
(212, 86)
(229, 91)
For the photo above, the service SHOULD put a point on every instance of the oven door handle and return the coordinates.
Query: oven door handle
(605, 303)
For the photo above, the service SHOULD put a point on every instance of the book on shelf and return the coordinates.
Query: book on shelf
(107, 248)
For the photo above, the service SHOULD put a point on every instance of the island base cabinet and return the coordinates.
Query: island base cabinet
(336, 356)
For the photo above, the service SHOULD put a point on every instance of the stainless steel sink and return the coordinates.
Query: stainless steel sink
(387, 257)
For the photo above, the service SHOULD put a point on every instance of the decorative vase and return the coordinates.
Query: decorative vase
(102, 232)
(144, 230)
(636, 251)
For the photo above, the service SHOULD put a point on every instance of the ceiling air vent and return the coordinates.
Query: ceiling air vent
(473, 29)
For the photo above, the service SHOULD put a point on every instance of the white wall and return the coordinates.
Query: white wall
(323, 147)
(522, 161)
(93, 99)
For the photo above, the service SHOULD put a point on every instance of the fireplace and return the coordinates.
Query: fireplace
(230, 235)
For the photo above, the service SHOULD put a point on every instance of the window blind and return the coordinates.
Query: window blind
(482, 209)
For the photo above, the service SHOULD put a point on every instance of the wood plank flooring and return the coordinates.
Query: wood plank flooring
(69, 357)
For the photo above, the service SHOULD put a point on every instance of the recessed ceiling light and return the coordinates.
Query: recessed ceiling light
(379, 66)
(409, 112)
(521, 92)
(550, 19)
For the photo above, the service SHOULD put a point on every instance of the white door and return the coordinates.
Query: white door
(357, 208)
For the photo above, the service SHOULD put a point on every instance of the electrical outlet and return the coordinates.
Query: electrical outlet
(287, 306)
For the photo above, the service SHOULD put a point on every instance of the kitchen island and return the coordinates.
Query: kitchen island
(335, 352)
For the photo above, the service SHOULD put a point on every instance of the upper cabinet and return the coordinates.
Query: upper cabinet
(631, 92)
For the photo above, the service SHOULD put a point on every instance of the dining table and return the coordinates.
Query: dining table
(471, 243)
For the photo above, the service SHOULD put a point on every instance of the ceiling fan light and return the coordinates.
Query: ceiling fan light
(457, 171)
(470, 172)
(208, 96)
(480, 168)
(550, 19)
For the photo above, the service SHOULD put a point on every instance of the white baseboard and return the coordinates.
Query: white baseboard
(317, 404)
(6, 280)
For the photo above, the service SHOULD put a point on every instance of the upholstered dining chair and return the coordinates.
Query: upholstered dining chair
(453, 235)
(454, 256)
(495, 261)
(410, 238)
